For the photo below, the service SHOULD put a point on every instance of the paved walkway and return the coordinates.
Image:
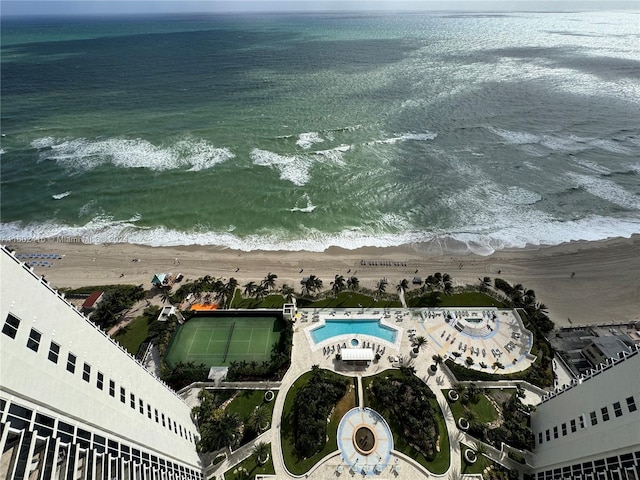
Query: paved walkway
(305, 354)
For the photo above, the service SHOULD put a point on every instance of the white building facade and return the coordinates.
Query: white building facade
(591, 429)
(73, 403)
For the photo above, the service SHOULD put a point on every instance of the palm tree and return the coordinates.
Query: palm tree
(481, 453)
(448, 288)
(270, 280)
(287, 292)
(338, 285)
(250, 289)
(429, 283)
(261, 291)
(437, 359)
(259, 419)
(353, 283)
(223, 432)
(261, 450)
(381, 288)
(166, 293)
(419, 342)
(403, 285)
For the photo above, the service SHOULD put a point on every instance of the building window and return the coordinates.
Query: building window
(156, 411)
(54, 352)
(594, 418)
(141, 406)
(34, 340)
(71, 363)
(564, 429)
(149, 411)
(617, 409)
(112, 388)
(555, 432)
(631, 404)
(573, 426)
(86, 372)
(163, 421)
(132, 400)
(123, 395)
(605, 414)
(11, 324)
(100, 381)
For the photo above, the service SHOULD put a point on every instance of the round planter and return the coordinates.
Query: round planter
(453, 395)
(470, 456)
(433, 368)
(414, 352)
(269, 395)
(463, 424)
(262, 462)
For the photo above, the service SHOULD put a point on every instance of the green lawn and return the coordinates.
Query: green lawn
(477, 467)
(270, 301)
(252, 466)
(296, 465)
(440, 300)
(132, 336)
(247, 400)
(441, 461)
(349, 300)
(470, 299)
(483, 408)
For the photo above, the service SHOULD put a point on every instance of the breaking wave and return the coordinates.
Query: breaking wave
(81, 154)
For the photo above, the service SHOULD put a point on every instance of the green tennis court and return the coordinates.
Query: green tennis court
(217, 341)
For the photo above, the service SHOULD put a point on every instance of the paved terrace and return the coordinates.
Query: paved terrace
(435, 325)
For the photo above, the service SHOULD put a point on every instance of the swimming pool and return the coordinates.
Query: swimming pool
(335, 327)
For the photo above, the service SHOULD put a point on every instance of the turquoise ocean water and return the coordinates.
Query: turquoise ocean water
(299, 132)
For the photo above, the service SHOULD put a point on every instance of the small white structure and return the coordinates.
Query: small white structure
(357, 354)
(165, 313)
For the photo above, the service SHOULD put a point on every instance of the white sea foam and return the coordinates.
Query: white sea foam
(81, 154)
(591, 166)
(2, 151)
(607, 190)
(307, 140)
(58, 196)
(541, 230)
(294, 168)
(334, 154)
(420, 137)
(308, 209)
(531, 143)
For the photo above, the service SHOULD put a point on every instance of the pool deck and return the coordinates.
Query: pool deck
(506, 341)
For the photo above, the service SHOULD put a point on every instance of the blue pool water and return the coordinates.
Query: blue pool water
(333, 328)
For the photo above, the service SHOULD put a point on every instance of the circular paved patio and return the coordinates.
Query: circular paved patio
(365, 441)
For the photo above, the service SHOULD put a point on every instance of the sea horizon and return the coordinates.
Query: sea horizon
(305, 131)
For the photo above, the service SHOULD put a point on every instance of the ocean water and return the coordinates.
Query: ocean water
(300, 132)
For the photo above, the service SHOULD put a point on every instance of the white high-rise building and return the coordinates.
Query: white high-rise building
(73, 403)
(591, 429)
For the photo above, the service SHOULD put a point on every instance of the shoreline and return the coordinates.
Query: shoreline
(604, 286)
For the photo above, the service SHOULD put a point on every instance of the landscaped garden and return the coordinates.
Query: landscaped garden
(472, 405)
(229, 419)
(252, 466)
(412, 411)
(306, 435)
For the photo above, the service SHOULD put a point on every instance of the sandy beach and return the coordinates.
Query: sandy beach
(580, 282)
